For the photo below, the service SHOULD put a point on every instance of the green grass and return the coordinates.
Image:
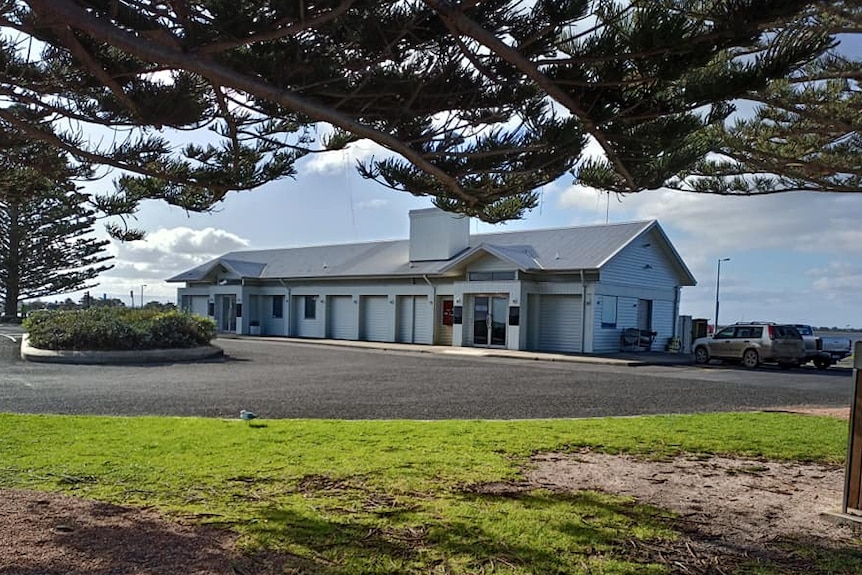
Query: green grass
(390, 496)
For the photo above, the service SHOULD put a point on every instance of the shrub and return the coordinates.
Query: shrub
(104, 329)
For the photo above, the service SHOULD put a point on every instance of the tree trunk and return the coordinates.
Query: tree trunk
(13, 270)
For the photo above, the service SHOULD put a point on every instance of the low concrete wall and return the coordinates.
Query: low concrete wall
(29, 353)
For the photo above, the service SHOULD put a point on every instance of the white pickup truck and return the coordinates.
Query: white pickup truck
(823, 351)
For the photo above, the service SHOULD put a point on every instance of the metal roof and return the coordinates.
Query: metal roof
(548, 250)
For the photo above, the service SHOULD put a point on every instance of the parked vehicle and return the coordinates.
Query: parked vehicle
(823, 351)
(753, 343)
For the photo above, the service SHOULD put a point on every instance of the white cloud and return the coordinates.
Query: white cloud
(804, 222)
(167, 245)
(775, 241)
(837, 280)
(338, 161)
(162, 254)
(590, 200)
(374, 204)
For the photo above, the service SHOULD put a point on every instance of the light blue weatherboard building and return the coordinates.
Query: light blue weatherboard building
(570, 290)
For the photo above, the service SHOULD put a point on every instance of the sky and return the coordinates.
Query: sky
(794, 257)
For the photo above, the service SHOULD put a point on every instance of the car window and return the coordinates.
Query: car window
(756, 332)
(725, 333)
(787, 332)
(792, 332)
(804, 330)
(743, 332)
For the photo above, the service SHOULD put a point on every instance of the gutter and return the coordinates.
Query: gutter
(433, 309)
(433, 288)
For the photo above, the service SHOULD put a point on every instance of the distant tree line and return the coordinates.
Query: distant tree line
(86, 302)
(834, 328)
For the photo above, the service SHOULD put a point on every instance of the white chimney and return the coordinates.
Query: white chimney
(437, 235)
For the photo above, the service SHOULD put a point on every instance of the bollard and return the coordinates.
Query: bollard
(853, 475)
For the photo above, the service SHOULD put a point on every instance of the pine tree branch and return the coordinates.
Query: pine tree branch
(53, 140)
(459, 23)
(279, 30)
(90, 64)
(77, 18)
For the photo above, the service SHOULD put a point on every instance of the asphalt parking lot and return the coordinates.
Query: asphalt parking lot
(303, 380)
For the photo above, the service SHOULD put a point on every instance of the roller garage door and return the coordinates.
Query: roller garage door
(414, 320)
(375, 318)
(340, 317)
(559, 323)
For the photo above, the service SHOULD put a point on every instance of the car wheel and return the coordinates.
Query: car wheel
(822, 363)
(701, 356)
(750, 359)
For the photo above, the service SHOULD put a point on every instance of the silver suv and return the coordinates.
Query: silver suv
(753, 343)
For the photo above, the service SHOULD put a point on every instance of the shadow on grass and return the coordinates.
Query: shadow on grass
(466, 533)
(701, 551)
(65, 536)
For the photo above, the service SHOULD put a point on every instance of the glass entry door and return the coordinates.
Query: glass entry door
(227, 315)
(489, 320)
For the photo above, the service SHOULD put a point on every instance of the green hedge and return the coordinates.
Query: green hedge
(106, 329)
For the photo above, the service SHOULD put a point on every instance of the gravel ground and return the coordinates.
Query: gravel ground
(295, 380)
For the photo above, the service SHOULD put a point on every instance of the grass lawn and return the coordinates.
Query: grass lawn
(390, 496)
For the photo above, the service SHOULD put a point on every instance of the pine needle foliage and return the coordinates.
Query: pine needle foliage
(805, 133)
(477, 104)
(47, 246)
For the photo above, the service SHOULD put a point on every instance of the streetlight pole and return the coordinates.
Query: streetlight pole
(142, 295)
(717, 287)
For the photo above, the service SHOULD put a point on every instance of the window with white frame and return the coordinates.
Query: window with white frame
(491, 276)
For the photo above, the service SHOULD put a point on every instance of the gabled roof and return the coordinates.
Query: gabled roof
(548, 250)
(238, 267)
(523, 257)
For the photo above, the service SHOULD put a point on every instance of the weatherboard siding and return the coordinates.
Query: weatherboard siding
(663, 319)
(643, 263)
(490, 264)
(307, 327)
(607, 340)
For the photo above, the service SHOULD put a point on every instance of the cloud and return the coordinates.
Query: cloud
(781, 247)
(180, 243)
(164, 253)
(798, 221)
(337, 161)
(838, 280)
(374, 204)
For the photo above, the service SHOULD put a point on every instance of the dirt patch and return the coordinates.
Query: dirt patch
(48, 533)
(838, 412)
(731, 511)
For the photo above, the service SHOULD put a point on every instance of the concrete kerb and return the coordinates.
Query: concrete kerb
(30, 353)
(472, 351)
